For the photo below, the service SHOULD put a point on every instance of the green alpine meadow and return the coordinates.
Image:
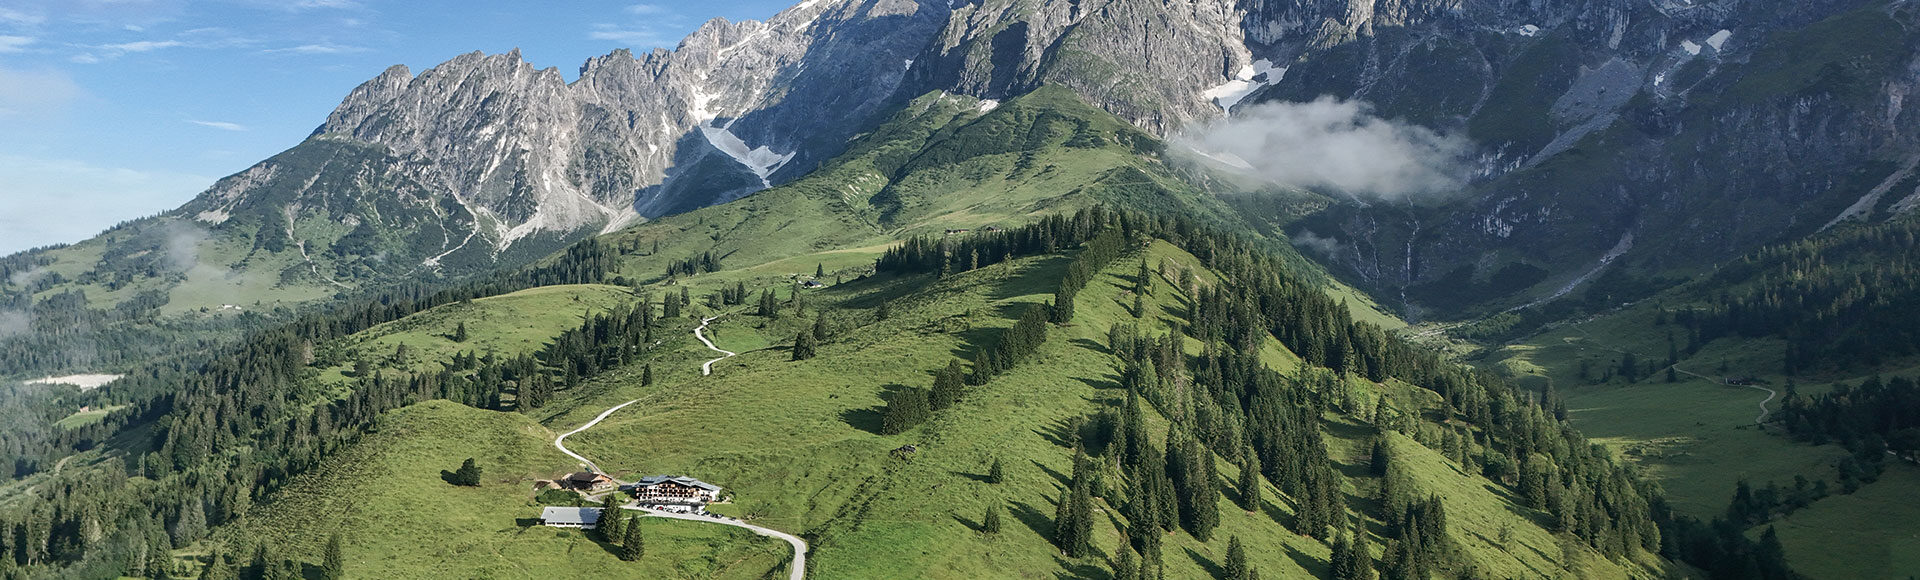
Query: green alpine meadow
(979, 289)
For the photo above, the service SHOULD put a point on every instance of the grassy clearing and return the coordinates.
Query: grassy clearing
(1697, 437)
(84, 418)
(508, 325)
(400, 520)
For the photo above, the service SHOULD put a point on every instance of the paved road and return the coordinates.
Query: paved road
(707, 369)
(799, 570)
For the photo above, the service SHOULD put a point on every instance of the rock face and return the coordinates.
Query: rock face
(1621, 141)
(1675, 131)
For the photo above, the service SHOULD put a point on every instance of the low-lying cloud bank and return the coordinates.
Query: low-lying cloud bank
(1330, 144)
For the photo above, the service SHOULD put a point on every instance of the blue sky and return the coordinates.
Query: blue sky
(116, 109)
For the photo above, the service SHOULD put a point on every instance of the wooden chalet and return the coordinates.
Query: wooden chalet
(671, 489)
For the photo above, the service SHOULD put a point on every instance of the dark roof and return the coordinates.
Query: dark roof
(570, 515)
(653, 480)
(586, 476)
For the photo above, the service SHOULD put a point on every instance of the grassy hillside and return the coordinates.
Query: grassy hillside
(798, 441)
(507, 325)
(386, 498)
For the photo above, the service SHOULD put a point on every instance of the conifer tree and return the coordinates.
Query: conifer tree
(996, 473)
(885, 311)
(1124, 567)
(1250, 481)
(646, 376)
(632, 545)
(948, 385)
(333, 565)
(905, 410)
(1340, 563)
(803, 346)
(460, 332)
(991, 523)
(1236, 567)
(819, 270)
(1142, 281)
(218, 568)
(820, 330)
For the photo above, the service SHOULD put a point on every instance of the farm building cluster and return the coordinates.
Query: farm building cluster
(663, 492)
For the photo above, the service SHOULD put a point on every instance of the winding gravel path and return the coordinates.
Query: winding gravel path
(707, 369)
(560, 442)
(799, 569)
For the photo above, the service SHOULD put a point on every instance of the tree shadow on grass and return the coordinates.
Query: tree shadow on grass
(1059, 432)
(1034, 520)
(970, 524)
(1311, 564)
(1072, 570)
(978, 477)
(869, 419)
(1063, 479)
(1213, 568)
(1041, 276)
(1092, 345)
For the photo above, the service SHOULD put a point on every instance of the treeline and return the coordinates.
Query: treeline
(1874, 417)
(1842, 301)
(230, 431)
(701, 264)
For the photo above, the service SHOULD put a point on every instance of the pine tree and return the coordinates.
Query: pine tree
(632, 545)
(803, 346)
(905, 410)
(820, 331)
(218, 568)
(1340, 563)
(333, 565)
(1124, 567)
(1142, 279)
(996, 473)
(1250, 481)
(1236, 567)
(646, 376)
(991, 523)
(948, 385)
(460, 332)
(1362, 551)
(819, 270)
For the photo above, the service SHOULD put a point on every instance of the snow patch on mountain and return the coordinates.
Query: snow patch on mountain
(762, 161)
(1248, 79)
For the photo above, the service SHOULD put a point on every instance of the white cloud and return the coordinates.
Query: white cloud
(319, 48)
(223, 125)
(18, 17)
(648, 9)
(1333, 144)
(29, 92)
(14, 43)
(46, 201)
(140, 46)
(632, 37)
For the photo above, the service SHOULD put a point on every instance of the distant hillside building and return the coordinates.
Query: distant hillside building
(671, 489)
(570, 517)
(589, 481)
